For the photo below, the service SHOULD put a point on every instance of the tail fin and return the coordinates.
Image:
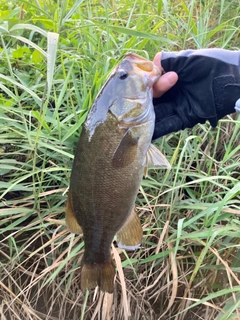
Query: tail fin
(101, 275)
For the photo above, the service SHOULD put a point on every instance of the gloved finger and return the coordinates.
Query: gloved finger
(168, 125)
(164, 110)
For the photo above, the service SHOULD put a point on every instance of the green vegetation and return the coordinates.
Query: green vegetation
(189, 264)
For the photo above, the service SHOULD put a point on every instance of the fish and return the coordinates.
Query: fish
(112, 155)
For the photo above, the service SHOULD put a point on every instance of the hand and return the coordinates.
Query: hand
(166, 81)
(198, 85)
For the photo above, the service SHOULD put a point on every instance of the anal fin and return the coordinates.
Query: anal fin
(71, 220)
(129, 237)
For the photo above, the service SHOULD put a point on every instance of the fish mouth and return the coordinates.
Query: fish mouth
(145, 65)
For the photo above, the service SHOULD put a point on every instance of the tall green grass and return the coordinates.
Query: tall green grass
(188, 265)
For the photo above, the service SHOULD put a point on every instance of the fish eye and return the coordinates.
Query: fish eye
(122, 75)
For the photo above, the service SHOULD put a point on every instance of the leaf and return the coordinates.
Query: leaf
(141, 34)
(32, 27)
(71, 11)
(33, 94)
(52, 42)
(9, 14)
(19, 53)
(4, 27)
(37, 57)
(30, 43)
(8, 92)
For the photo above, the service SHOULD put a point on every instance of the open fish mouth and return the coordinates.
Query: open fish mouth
(140, 62)
(144, 65)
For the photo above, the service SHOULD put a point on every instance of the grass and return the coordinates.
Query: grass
(188, 265)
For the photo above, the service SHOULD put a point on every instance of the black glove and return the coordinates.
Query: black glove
(208, 88)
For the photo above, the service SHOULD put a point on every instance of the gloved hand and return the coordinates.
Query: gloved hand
(208, 88)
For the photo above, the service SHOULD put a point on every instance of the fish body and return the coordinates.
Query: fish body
(112, 152)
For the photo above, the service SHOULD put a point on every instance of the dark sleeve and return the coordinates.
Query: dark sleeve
(208, 88)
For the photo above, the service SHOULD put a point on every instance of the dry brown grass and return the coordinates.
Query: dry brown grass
(151, 290)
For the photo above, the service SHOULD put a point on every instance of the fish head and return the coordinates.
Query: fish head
(127, 94)
(139, 74)
(133, 81)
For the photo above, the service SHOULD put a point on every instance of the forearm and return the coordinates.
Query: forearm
(218, 84)
(208, 88)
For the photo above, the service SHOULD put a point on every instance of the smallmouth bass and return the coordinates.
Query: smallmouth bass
(113, 151)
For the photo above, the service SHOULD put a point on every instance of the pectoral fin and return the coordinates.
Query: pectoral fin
(155, 159)
(130, 236)
(71, 220)
(126, 150)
